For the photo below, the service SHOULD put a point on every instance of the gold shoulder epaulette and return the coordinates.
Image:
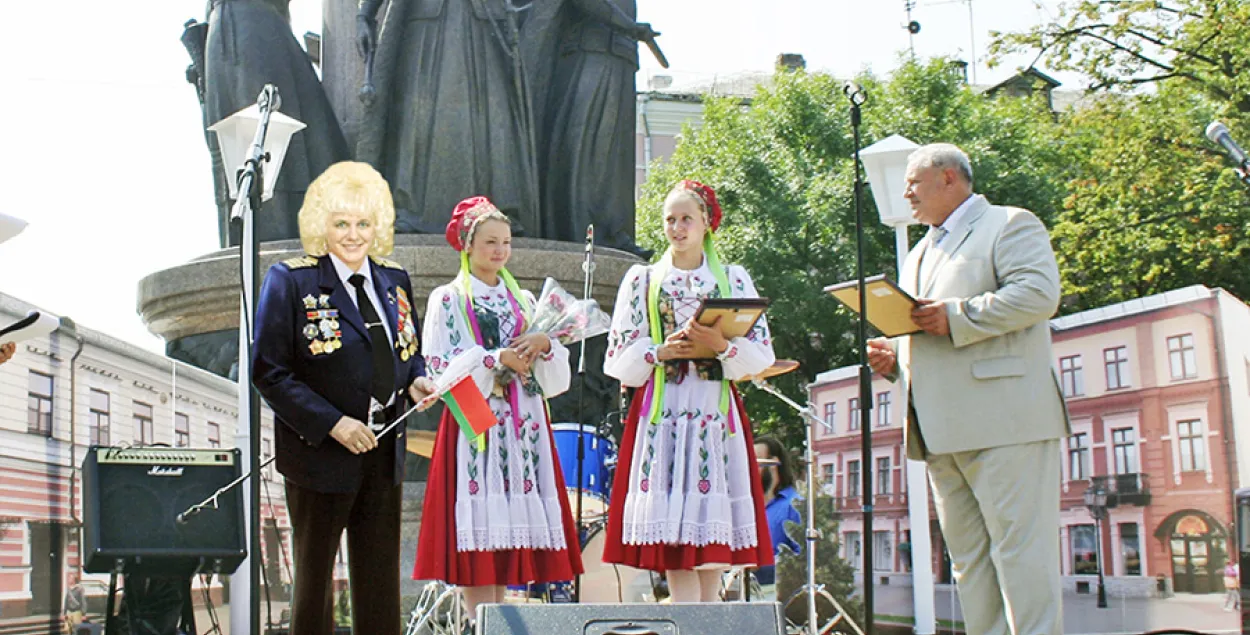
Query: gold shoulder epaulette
(302, 262)
(383, 262)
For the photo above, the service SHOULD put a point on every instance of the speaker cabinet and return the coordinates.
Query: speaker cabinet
(717, 618)
(132, 498)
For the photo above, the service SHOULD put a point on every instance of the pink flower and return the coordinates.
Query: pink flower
(473, 488)
(446, 297)
(645, 485)
(534, 426)
(650, 357)
(529, 485)
(704, 486)
(488, 361)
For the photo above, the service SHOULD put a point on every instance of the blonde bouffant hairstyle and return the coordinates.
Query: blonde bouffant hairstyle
(347, 186)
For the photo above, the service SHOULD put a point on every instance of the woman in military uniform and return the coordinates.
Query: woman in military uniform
(337, 358)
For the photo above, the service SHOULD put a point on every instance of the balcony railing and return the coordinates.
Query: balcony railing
(1124, 489)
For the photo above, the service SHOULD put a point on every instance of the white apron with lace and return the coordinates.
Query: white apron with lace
(506, 496)
(689, 480)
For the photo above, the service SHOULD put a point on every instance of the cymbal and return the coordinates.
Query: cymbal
(779, 367)
(421, 442)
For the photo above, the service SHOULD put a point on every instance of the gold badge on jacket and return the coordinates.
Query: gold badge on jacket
(322, 328)
(406, 335)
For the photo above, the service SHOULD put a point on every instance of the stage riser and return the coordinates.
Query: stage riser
(718, 618)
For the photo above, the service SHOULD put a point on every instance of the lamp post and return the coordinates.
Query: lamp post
(886, 164)
(1096, 501)
(10, 226)
(250, 138)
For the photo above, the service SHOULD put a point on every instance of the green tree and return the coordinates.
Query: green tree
(783, 171)
(1128, 43)
(1150, 206)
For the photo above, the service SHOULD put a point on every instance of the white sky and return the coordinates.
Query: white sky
(104, 156)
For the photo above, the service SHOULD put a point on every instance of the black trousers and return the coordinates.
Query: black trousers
(371, 518)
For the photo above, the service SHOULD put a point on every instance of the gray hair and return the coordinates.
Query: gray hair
(942, 155)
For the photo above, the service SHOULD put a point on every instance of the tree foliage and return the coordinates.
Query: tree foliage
(783, 171)
(1128, 43)
(1150, 205)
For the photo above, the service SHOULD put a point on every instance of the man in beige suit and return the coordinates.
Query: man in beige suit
(986, 412)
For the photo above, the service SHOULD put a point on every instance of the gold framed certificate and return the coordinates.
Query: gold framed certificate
(889, 307)
(737, 317)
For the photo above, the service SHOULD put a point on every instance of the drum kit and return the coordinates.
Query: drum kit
(439, 609)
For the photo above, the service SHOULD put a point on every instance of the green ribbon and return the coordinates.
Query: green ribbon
(660, 272)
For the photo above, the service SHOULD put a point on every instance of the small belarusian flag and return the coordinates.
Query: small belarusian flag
(468, 407)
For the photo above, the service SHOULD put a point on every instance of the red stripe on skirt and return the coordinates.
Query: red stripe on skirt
(665, 557)
(437, 556)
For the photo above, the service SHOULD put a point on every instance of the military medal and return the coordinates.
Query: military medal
(310, 302)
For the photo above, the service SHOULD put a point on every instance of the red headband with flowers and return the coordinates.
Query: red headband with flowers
(464, 217)
(708, 196)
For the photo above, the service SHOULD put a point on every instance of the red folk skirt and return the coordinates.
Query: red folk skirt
(665, 557)
(437, 556)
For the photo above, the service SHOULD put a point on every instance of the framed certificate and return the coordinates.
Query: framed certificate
(737, 317)
(889, 307)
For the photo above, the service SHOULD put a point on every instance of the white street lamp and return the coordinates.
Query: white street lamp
(235, 135)
(248, 139)
(886, 164)
(10, 226)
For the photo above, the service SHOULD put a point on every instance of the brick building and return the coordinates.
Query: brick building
(76, 388)
(1157, 390)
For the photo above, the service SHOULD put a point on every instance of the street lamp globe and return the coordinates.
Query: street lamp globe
(10, 226)
(886, 164)
(235, 135)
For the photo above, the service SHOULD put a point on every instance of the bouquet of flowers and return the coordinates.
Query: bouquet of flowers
(565, 318)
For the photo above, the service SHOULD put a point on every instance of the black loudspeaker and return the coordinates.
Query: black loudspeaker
(132, 498)
(714, 618)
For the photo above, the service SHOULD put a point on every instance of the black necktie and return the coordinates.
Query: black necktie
(383, 367)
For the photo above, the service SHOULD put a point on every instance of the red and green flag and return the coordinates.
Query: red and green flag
(469, 408)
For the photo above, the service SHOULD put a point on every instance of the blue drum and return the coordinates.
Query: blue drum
(598, 464)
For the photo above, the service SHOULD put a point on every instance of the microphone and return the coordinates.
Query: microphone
(1218, 133)
(855, 93)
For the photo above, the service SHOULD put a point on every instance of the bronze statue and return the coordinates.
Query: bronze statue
(589, 150)
(452, 113)
(248, 44)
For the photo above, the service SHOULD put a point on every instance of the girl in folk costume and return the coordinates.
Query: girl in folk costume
(496, 512)
(691, 504)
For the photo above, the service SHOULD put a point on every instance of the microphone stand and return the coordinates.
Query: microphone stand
(243, 217)
(211, 501)
(856, 95)
(812, 534)
(588, 269)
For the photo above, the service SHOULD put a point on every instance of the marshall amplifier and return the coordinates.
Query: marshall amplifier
(132, 501)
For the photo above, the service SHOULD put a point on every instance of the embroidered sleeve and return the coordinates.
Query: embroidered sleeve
(447, 339)
(753, 353)
(631, 356)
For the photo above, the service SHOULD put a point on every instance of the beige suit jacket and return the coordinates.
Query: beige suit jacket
(991, 382)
